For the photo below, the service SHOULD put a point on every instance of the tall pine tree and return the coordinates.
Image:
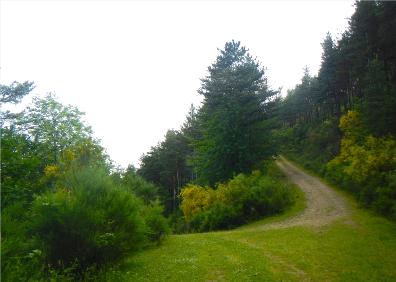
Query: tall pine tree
(233, 118)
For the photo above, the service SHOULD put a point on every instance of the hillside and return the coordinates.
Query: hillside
(327, 238)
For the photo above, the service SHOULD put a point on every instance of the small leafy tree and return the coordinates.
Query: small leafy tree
(53, 125)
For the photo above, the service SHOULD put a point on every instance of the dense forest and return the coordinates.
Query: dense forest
(342, 122)
(68, 212)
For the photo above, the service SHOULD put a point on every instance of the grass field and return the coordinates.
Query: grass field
(359, 248)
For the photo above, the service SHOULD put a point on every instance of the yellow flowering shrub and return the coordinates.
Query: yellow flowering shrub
(368, 159)
(241, 199)
(68, 155)
(366, 165)
(51, 171)
(195, 199)
(349, 122)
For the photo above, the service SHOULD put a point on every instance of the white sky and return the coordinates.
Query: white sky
(134, 67)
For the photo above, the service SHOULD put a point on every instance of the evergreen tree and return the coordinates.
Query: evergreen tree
(13, 94)
(234, 116)
(166, 166)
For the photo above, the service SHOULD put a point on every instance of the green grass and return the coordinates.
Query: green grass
(362, 248)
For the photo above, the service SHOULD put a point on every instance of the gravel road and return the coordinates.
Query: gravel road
(323, 204)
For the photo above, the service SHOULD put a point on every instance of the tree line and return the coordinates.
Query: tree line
(358, 72)
(342, 122)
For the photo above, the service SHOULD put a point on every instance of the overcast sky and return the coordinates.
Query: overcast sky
(134, 67)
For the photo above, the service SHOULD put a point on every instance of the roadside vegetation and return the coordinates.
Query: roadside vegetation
(341, 123)
(242, 199)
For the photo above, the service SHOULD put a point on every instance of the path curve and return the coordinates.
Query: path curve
(323, 204)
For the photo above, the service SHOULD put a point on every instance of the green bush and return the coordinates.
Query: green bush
(386, 200)
(19, 258)
(89, 222)
(255, 195)
(157, 224)
(242, 199)
(143, 189)
(218, 216)
(267, 197)
(69, 232)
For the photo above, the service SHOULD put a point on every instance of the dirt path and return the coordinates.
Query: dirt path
(323, 204)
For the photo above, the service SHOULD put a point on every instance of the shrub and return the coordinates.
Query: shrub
(19, 258)
(143, 189)
(218, 216)
(195, 199)
(255, 195)
(267, 197)
(90, 222)
(69, 231)
(157, 224)
(238, 201)
(366, 165)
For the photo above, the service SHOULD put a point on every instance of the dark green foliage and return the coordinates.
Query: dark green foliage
(21, 168)
(157, 224)
(379, 106)
(63, 213)
(385, 202)
(228, 135)
(241, 200)
(166, 165)
(234, 117)
(90, 222)
(218, 217)
(15, 92)
(357, 73)
(312, 144)
(19, 257)
(137, 185)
